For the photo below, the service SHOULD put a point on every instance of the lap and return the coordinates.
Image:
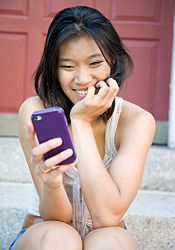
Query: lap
(54, 235)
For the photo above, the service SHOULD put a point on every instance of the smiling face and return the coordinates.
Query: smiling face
(80, 65)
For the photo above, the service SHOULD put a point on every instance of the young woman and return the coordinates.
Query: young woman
(82, 205)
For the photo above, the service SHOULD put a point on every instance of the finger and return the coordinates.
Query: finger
(113, 91)
(59, 169)
(113, 84)
(91, 92)
(31, 135)
(57, 159)
(103, 89)
(101, 84)
(43, 170)
(44, 147)
(113, 88)
(63, 168)
(88, 100)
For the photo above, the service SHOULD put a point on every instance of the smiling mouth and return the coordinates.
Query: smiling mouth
(82, 92)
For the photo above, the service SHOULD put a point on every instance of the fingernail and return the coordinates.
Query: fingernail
(54, 167)
(91, 87)
(68, 152)
(57, 141)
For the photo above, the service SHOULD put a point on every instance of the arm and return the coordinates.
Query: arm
(109, 194)
(54, 203)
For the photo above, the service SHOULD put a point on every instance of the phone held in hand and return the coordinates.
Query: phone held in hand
(51, 123)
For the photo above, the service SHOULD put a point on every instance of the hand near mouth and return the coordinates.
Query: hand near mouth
(99, 98)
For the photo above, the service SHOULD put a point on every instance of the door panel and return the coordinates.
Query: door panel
(15, 7)
(138, 88)
(12, 61)
(142, 10)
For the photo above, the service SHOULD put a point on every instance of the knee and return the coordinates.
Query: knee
(112, 239)
(60, 236)
(93, 242)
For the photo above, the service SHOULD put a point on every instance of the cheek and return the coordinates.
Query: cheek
(63, 79)
(106, 71)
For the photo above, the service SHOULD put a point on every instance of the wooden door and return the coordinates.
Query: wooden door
(144, 25)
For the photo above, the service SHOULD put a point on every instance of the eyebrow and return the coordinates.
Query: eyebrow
(67, 59)
(95, 55)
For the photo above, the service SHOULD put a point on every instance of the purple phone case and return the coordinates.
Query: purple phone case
(51, 123)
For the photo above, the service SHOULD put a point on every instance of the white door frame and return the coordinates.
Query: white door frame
(171, 122)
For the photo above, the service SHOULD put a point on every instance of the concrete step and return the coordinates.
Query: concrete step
(150, 218)
(159, 171)
(13, 166)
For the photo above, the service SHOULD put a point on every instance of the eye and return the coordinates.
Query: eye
(66, 66)
(96, 63)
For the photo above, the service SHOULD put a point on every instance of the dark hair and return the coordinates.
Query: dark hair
(73, 23)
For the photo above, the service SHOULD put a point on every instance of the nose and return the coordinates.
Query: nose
(83, 76)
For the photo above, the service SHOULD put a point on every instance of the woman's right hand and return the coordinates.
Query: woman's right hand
(97, 101)
(49, 170)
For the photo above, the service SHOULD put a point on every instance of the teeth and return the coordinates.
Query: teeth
(82, 92)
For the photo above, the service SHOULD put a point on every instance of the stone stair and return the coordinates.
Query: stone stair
(150, 218)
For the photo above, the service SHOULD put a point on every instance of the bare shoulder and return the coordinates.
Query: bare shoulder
(135, 113)
(27, 108)
(31, 104)
(135, 123)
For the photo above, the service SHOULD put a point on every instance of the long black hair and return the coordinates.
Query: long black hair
(71, 23)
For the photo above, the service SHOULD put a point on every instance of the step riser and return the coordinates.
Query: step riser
(159, 171)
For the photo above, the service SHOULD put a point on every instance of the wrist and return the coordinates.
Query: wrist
(79, 121)
(52, 187)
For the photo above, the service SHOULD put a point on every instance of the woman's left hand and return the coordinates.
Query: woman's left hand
(93, 105)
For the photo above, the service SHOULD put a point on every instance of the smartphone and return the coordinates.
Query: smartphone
(51, 123)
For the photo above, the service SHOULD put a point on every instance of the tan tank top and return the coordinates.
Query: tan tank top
(72, 181)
